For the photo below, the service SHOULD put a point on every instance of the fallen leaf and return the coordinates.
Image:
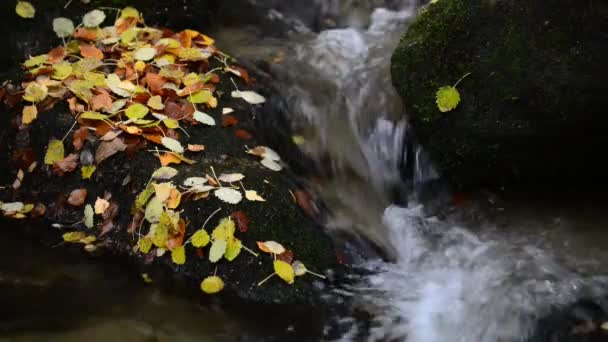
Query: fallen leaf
(227, 111)
(89, 51)
(144, 244)
(66, 165)
(101, 101)
(164, 173)
(79, 137)
(218, 248)
(93, 18)
(212, 285)
(154, 210)
(145, 54)
(196, 148)
(111, 135)
(264, 152)
(168, 159)
(101, 205)
(204, 118)
(271, 164)
(35, 92)
(137, 111)
(25, 9)
(172, 144)
(228, 195)
(89, 214)
(299, 268)
(162, 191)
(241, 220)
(253, 196)
(224, 230)
(231, 177)
(249, 96)
(447, 98)
(243, 134)
(200, 238)
(174, 198)
(87, 171)
(229, 121)
(286, 256)
(29, 114)
(284, 271)
(73, 236)
(107, 149)
(178, 255)
(271, 247)
(233, 249)
(85, 34)
(77, 197)
(57, 55)
(156, 102)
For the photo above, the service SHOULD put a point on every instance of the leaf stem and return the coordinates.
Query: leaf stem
(266, 279)
(460, 80)
(316, 274)
(250, 251)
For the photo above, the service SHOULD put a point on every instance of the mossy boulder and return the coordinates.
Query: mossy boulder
(533, 110)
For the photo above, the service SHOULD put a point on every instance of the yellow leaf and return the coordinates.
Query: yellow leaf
(212, 285)
(128, 12)
(30, 113)
(145, 54)
(25, 9)
(225, 230)
(139, 66)
(202, 96)
(35, 92)
(175, 198)
(54, 152)
(154, 210)
(178, 255)
(156, 102)
(101, 205)
(162, 191)
(36, 61)
(87, 171)
(171, 123)
(253, 196)
(61, 71)
(137, 111)
(144, 244)
(218, 248)
(146, 278)
(233, 249)
(191, 54)
(200, 238)
(284, 270)
(73, 236)
(447, 99)
(172, 144)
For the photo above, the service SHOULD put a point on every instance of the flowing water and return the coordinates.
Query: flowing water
(485, 272)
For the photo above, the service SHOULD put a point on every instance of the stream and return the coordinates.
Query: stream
(481, 271)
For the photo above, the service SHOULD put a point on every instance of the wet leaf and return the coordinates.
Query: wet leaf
(25, 9)
(61, 71)
(227, 110)
(196, 148)
(93, 18)
(77, 197)
(89, 214)
(144, 196)
(145, 54)
(165, 173)
(36, 61)
(101, 101)
(249, 96)
(218, 248)
(73, 236)
(194, 181)
(54, 152)
(200, 238)
(35, 92)
(66, 165)
(174, 199)
(129, 12)
(225, 230)
(156, 102)
(233, 249)
(299, 268)
(63, 27)
(241, 220)
(87, 171)
(144, 244)
(229, 121)
(212, 285)
(271, 164)
(107, 149)
(447, 98)
(101, 205)
(137, 111)
(284, 271)
(204, 118)
(146, 278)
(30, 113)
(231, 177)
(265, 152)
(89, 51)
(172, 144)
(253, 196)
(168, 158)
(271, 247)
(79, 137)
(154, 210)
(178, 255)
(228, 195)
(286, 256)
(89, 115)
(202, 96)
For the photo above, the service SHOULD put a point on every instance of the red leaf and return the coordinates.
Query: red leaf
(241, 220)
(305, 201)
(243, 134)
(229, 121)
(79, 137)
(77, 197)
(67, 164)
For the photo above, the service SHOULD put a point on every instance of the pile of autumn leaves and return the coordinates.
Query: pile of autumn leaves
(129, 84)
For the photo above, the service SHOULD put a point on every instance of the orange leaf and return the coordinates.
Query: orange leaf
(88, 50)
(85, 34)
(196, 148)
(229, 121)
(155, 138)
(155, 83)
(131, 129)
(101, 101)
(75, 107)
(57, 55)
(79, 137)
(168, 159)
(175, 198)
(177, 239)
(243, 134)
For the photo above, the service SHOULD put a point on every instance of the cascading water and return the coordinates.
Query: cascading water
(448, 282)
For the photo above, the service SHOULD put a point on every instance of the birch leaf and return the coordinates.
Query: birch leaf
(137, 111)
(154, 210)
(87, 171)
(249, 96)
(54, 153)
(204, 118)
(63, 27)
(101, 205)
(212, 285)
(30, 113)
(299, 268)
(271, 164)
(194, 181)
(200, 238)
(225, 230)
(145, 54)
(156, 102)
(25, 9)
(233, 249)
(93, 18)
(35, 92)
(178, 255)
(73, 236)
(144, 244)
(231, 177)
(271, 247)
(284, 271)
(253, 196)
(264, 152)
(89, 214)
(172, 144)
(202, 96)
(218, 248)
(228, 195)
(165, 173)
(447, 98)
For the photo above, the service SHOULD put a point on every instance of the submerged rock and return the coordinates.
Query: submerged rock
(533, 110)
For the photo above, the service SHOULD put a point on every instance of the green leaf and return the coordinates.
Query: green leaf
(35, 92)
(61, 71)
(212, 285)
(447, 98)
(144, 196)
(93, 116)
(200, 238)
(87, 171)
(225, 230)
(218, 248)
(89, 216)
(201, 96)
(178, 255)
(54, 153)
(128, 36)
(233, 249)
(144, 244)
(25, 9)
(137, 111)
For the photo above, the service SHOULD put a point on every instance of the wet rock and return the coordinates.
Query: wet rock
(533, 108)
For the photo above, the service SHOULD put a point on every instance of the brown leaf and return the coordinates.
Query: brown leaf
(177, 239)
(229, 121)
(155, 138)
(241, 220)
(66, 165)
(111, 212)
(108, 148)
(243, 134)
(136, 222)
(88, 50)
(75, 107)
(286, 256)
(77, 197)
(57, 55)
(101, 101)
(85, 34)
(38, 211)
(305, 201)
(196, 148)
(244, 74)
(155, 83)
(79, 137)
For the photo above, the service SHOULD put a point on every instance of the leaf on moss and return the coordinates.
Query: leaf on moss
(284, 271)
(172, 144)
(228, 195)
(447, 98)
(212, 285)
(25, 9)
(271, 247)
(200, 238)
(204, 118)
(218, 248)
(233, 249)
(178, 255)
(54, 153)
(144, 244)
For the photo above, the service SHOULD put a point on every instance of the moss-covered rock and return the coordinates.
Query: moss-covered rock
(533, 108)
